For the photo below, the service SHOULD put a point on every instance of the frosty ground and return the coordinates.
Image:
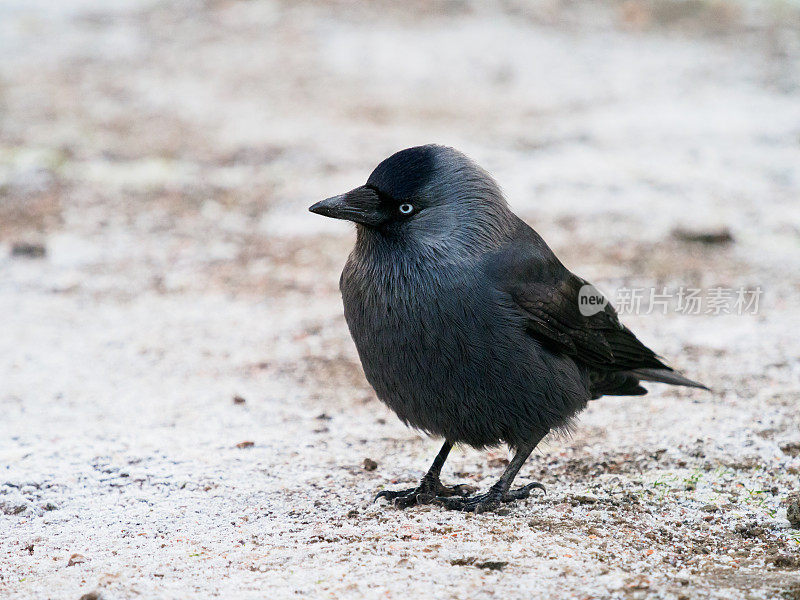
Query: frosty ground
(182, 411)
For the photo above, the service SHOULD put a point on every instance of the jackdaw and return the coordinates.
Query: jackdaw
(466, 323)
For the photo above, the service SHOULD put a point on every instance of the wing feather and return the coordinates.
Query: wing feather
(548, 294)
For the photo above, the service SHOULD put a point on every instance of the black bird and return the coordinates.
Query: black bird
(466, 323)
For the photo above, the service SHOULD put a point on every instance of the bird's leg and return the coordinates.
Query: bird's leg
(500, 491)
(429, 488)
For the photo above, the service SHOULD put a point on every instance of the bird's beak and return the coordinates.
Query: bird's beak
(360, 205)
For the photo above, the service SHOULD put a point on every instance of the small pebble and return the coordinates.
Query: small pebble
(245, 444)
(490, 565)
(720, 236)
(792, 449)
(28, 250)
(76, 559)
(785, 561)
(369, 464)
(239, 400)
(793, 510)
(19, 509)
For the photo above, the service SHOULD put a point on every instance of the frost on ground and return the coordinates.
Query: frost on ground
(163, 154)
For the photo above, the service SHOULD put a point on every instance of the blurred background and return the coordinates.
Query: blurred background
(157, 260)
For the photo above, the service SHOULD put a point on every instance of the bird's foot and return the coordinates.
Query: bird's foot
(489, 501)
(425, 493)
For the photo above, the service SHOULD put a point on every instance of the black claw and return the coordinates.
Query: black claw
(391, 495)
(477, 504)
(463, 489)
(486, 502)
(450, 503)
(523, 492)
(425, 493)
(406, 501)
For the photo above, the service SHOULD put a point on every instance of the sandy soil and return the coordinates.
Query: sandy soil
(164, 153)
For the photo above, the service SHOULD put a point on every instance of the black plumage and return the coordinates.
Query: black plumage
(466, 323)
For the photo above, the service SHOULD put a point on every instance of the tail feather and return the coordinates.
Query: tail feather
(666, 376)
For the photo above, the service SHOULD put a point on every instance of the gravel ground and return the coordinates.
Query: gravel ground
(183, 412)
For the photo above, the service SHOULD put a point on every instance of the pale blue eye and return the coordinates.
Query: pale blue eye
(406, 209)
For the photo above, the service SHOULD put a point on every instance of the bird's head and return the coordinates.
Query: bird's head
(424, 194)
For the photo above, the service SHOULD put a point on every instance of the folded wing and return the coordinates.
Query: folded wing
(550, 295)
